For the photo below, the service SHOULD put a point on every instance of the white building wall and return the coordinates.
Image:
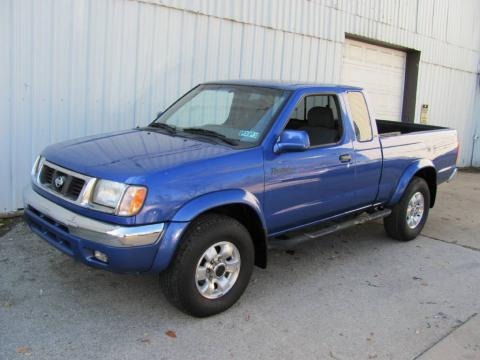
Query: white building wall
(70, 68)
(476, 138)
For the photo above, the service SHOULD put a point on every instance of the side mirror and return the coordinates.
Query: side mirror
(292, 140)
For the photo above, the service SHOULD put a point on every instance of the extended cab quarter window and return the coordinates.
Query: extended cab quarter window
(318, 115)
(360, 117)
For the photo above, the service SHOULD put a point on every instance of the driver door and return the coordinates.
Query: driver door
(307, 186)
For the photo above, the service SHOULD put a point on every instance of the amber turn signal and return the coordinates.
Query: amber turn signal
(132, 200)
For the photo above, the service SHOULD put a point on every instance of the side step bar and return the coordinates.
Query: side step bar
(276, 243)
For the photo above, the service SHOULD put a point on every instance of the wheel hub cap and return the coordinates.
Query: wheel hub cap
(415, 210)
(217, 270)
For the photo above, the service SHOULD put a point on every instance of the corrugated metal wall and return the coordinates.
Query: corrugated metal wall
(69, 68)
(476, 116)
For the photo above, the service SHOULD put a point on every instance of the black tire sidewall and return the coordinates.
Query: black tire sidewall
(200, 238)
(416, 185)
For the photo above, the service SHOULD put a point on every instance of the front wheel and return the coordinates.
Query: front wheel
(212, 266)
(409, 216)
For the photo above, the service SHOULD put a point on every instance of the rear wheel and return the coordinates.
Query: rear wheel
(212, 266)
(409, 216)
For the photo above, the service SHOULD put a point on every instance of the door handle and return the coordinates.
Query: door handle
(344, 158)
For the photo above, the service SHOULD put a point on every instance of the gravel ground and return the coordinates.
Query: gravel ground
(353, 295)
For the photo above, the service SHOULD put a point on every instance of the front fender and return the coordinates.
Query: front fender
(189, 211)
(406, 177)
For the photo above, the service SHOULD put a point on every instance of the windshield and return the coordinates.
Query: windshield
(235, 113)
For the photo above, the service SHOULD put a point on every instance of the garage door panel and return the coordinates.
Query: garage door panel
(371, 56)
(399, 61)
(354, 52)
(381, 71)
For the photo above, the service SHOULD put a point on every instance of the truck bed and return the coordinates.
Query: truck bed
(388, 128)
(404, 143)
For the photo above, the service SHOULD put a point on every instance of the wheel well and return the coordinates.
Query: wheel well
(250, 219)
(430, 176)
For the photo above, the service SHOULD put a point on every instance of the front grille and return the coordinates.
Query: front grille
(76, 187)
(48, 174)
(60, 182)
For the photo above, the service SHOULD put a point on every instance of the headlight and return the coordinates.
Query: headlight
(108, 193)
(126, 199)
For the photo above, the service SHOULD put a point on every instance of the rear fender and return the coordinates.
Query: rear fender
(188, 212)
(406, 177)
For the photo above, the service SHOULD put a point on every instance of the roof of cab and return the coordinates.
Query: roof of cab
(287, 85)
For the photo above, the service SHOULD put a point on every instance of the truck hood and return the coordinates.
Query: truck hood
(130, 156)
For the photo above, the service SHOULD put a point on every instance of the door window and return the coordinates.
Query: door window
(317, 115)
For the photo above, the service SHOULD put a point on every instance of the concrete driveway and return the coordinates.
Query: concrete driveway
(354, 295)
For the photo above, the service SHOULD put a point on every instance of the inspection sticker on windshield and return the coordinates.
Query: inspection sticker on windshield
(249, 134)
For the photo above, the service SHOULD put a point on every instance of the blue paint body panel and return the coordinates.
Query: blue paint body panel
(288, 190)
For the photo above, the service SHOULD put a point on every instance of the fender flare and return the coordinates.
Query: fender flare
(205, 202)
(195, 207)
(407, 176)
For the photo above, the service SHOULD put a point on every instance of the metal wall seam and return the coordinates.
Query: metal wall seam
(298, 8)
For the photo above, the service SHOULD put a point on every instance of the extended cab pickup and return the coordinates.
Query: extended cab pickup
(227, 171)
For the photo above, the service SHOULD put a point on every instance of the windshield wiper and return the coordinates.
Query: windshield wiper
(171, 129)
(211, 133)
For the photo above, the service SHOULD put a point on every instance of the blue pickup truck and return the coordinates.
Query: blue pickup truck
(228, 171)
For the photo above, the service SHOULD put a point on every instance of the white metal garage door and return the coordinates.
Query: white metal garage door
(381, 71)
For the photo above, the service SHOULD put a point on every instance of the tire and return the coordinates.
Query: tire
(182, 282)
(401, 224)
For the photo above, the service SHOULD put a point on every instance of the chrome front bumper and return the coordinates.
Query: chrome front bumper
(92, 230)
